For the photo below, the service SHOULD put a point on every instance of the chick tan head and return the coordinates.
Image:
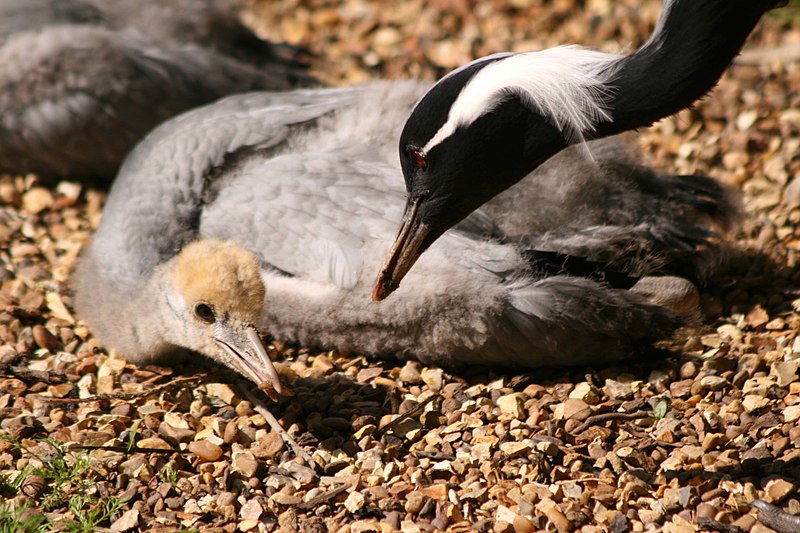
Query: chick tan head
(222, 295)
(223, 276)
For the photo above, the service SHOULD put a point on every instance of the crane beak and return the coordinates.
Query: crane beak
(246, 354)
(405, 251)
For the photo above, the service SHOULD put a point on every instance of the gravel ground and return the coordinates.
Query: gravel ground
(680, 444)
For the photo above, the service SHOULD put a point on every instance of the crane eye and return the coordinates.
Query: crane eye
(205, 313)
(417, 156)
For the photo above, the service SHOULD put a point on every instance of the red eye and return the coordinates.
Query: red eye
(417, 156)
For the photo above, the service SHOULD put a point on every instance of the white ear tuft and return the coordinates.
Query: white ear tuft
(566, 84)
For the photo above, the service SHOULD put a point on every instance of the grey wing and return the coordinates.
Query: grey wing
(315, 215)
(610, 207)
(156, 201)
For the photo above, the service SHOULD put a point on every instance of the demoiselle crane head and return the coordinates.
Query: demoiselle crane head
(484, 127)
(217, 296)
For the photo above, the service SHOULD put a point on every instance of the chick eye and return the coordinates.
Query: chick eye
(417, 156)
(205, 313)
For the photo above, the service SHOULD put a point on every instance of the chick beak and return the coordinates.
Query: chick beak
(405, 251)
(247, 355)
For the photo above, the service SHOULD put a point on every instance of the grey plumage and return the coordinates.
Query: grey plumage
(308, 182)
(82, 81)
(620, 211)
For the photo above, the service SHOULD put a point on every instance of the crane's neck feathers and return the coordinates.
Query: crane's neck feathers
(568, 85)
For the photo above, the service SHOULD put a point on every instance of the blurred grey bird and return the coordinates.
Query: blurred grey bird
(303, 184)
(81, 81)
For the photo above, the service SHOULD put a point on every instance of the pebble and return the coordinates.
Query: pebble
(44, 339)
(126, 522)
(414, 502)
(778, 489)
(355, 501)
(205, 450)
(511, 405)
(713, 383)
(155, 443)
(618, 390)
(791, 414)
(245, 463)
(222, 391)
(432, 377)
(572, 409)
(586, 392)
(753, 403)
(410, 373)
(251, 510)
(174, 434)
(37, 200)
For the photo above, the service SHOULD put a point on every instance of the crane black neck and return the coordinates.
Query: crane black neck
(692, 45)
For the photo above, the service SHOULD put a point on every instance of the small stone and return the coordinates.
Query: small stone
(126, 522)
(365, 375)
(414, 502)
(251, 510)
(410, 373)
(248, 525)
(688, 370)
(288, 500)
(44, 339)
(221, 391)
(244, 463)
(753, 403)
(618, 390)
(547, 447)
(586, 392)
(713, 383)
(271, 444)
(37, 200)
(512, 405)
(785, 372)
(791, 413)
(355, 501)
(523, 525)
(301, 473)
(572, 409)
(678, 498)
(432, 377)
(154, 443)
(61, 390)
(706, 510)
(712, 441)
(205, 450)
(436, 491)
(778, 489)
(745, 522)
(501, 526)
(174, 434)
(557, 518)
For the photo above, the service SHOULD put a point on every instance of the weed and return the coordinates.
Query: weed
(169, 474)
(16, 520)
(89, 513)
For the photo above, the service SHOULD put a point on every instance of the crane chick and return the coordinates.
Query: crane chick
(208, 299)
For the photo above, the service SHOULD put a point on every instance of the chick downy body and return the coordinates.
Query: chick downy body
(308, 183)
